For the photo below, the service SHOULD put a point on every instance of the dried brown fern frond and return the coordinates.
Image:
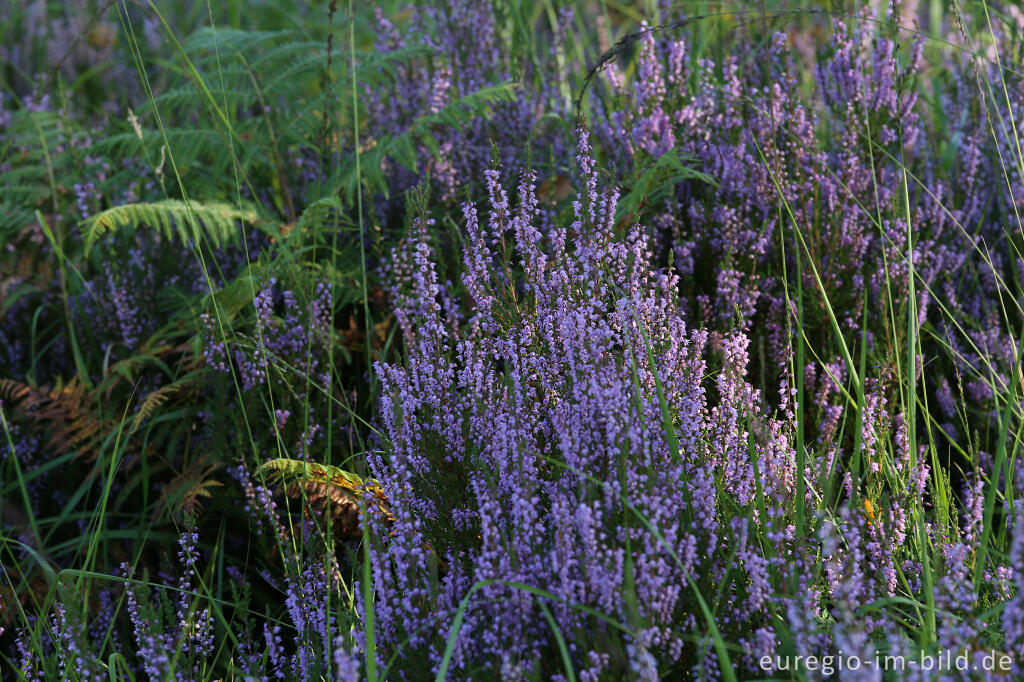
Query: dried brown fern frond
(327, 487)
(67, 410)
(185, 491)
(14, 392)
(152, 402)
(156, 399)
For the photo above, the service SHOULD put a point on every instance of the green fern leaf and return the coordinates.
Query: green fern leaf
(322, 481)
(215, 221)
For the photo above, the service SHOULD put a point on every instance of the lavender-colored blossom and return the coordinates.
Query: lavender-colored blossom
(567, 400)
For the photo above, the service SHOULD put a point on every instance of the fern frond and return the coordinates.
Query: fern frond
(284, 470)
(373, 67)
(328, 486)
(473, 105)
(171, 217)
(184, 491)
(14, 392)
(65, 410)
(231, 40)
(158, 398)
(185, 142)
(185, 99)
(152, 402)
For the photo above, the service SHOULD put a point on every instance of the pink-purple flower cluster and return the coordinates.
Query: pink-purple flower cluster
(565, 438)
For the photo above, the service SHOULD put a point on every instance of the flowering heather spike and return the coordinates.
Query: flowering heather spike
(75, 658)
(153, 646)
(347, 664)
(28, 663)
(1013, 614)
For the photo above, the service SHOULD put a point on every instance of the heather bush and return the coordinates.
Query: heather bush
(557, 450)
(541, 340)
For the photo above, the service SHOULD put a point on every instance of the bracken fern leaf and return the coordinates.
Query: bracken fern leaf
(325, 485)
(217, 221)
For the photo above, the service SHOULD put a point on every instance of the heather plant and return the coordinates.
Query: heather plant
(529, 459)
